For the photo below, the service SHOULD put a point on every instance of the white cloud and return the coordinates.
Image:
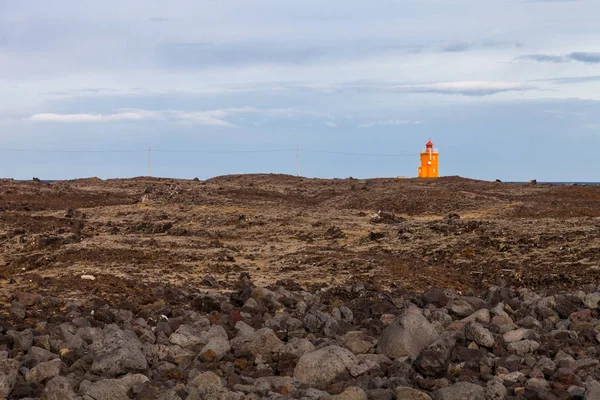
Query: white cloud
(212, 117)
(466, 88)
(331, 124)
(75, 118)
(218, 117)
(390, 122)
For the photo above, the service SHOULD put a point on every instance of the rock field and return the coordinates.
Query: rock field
(275, 287)
(278, 342)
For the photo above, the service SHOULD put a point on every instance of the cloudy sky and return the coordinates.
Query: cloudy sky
(506, 89)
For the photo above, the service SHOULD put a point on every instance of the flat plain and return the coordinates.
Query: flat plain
(403, 234)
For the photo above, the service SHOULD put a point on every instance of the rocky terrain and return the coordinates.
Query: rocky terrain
(346, 342)
(267, 286)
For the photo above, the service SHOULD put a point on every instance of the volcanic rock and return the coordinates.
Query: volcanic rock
(407, 336)
(320, 367)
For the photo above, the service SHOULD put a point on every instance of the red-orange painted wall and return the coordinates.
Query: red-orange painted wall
(429, 165)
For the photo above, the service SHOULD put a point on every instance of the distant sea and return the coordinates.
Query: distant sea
(552, 183)
(569, 183)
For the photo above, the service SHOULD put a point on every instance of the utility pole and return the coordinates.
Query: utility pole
(148, 160)
(297, 160)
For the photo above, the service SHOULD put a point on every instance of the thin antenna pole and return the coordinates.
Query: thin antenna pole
(298, 160)
(148, 160)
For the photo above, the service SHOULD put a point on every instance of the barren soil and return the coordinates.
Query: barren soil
(138, 233)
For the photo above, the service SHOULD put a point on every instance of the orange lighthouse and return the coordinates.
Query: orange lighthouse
(429, 162)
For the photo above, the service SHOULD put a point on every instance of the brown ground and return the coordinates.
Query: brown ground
(136, 233)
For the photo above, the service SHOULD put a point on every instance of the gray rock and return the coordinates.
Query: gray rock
(155, 352)
(170, 394)
(561, 355)
(261, 293)
(22, 340)
(125, 316)
(244, 329)
(207, 383)
(577, 392)
(272, 382)
(504, 323)
(434, 360)
(546, 365)
(460, 391)
(480, 335)
(65, 336)
(381, 394)
(407, 335)
(537, 384)
(17, 310)
(188, 336)
(591, 300)
(179, 356)
(314, 394)
(376, 358)
(352, 393)
(362, 367)
(89, 333)
(495, 390)
(499, 310)
(314, 321)
(435, 296)
(107, 389)
(592, 390)
(214, 331)
(219, 346)
(145, 334)
(442, 317)
(566, 305)
(523, 347)
(130, 381)
(264, 342)
(515, 376)
(586, 364)
(59, 388)
(244, 333)
(460, 308)
(246, 389)
(37, 355)
(357, 342)
(28, 299)
(45, 370)
(519, 334)
(250, 304)
(331, 327)
(564, 334)
(9, 370)
(347, 315)
(530, 323)
(322, 366)
(114, 388)
(481, 315)
(477, 302)
(295, 328)
(408, 393)
(117, 352)
(297, 347)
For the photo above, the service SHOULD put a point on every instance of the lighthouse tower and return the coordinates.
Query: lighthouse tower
(429, 162)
